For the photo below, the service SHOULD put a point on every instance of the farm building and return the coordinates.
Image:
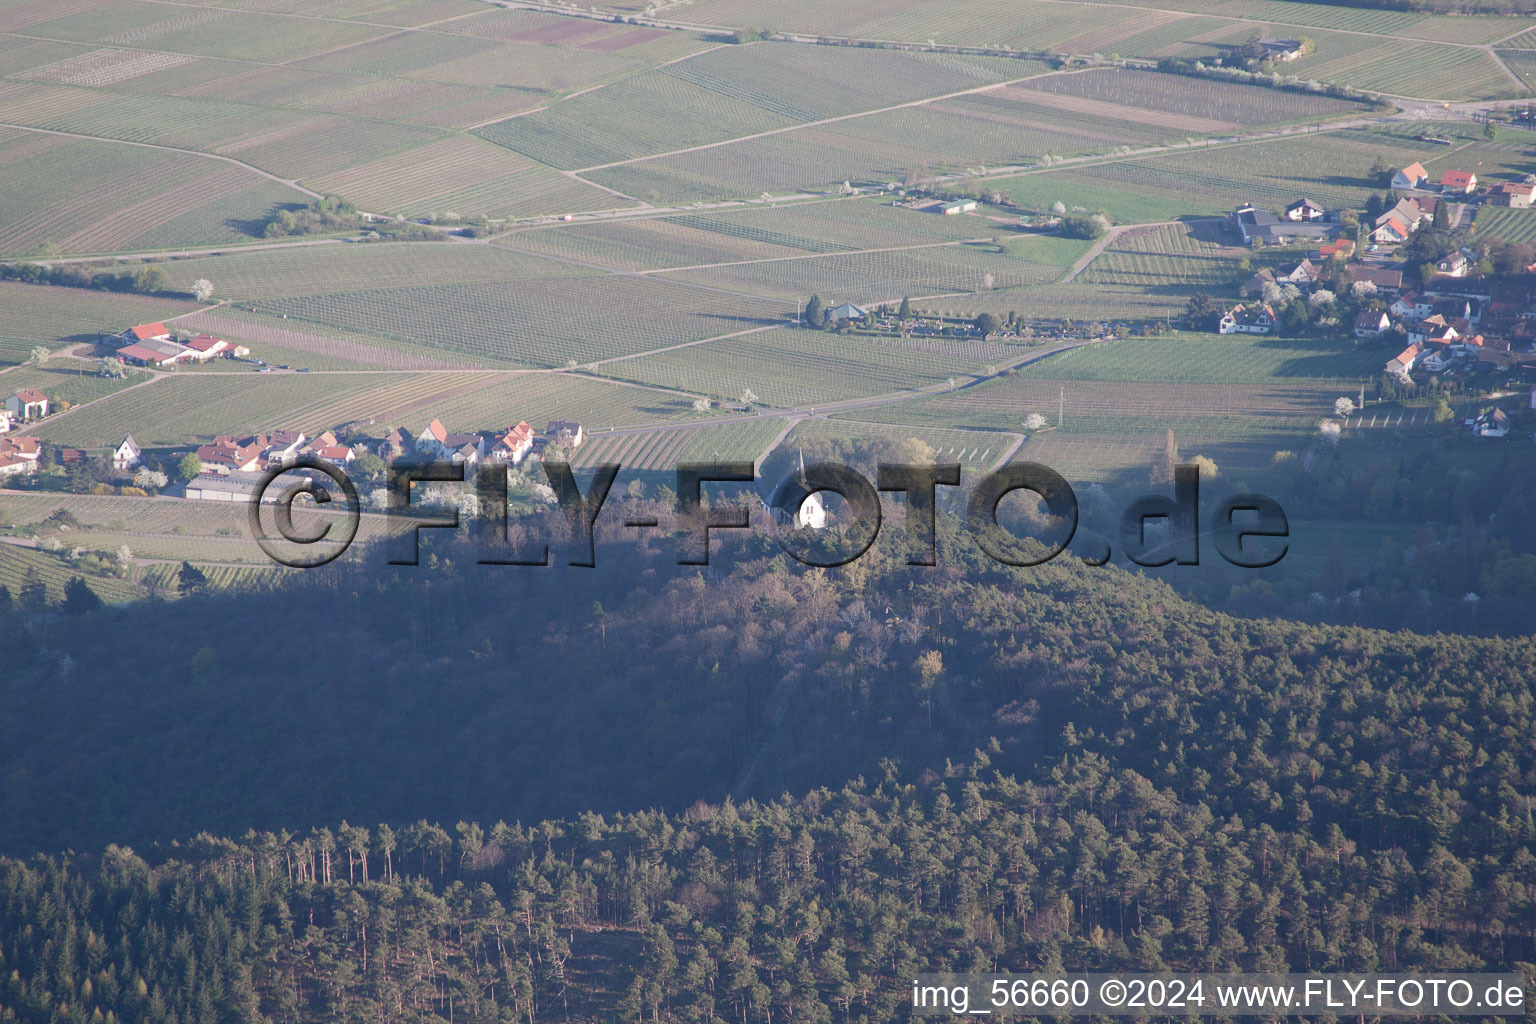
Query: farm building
(1458, 182)
(958, 206)
(146, 332)
(240, 487)
(1241, 319)
(1260, 227)
(847, 311)
(1513, 194)
(206, 346)
(1283, 50)
(1412, 176)
(156, 353)
(27, 404)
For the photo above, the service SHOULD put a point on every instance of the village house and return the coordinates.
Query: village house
(512, 444)
(206, 346)
(1410, 177)
(1342, 248)
(127, 455)
(566, 433)
(1372, 324)
(1404, 361)
(27, 404)
(1304, 209)
(1410, 306)
(7, 421)
(1454, 265)
(1388, 281)
(1254, 319)
(228, 455)
(1494, 423)
(1458, 182)
(18, 455)
(1256, 283)
(1516, 195)
(1302, 275)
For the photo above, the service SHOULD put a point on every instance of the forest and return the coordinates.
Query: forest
(813, 783)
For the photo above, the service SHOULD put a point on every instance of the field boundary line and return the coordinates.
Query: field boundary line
(291, 183)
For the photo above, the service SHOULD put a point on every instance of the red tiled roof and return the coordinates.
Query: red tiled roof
(206, 343)
(30, 395)
(1458, 179)
(145, 332)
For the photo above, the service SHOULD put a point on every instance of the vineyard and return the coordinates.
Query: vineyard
(17, 564)
(178, 409)
(540, 322)
(204, 32)
(662, 450)
(1504, 223)
(541, 397)
(1167, 274)
(973, 449)
(1143, 95)
(281, 341)
(731, 92)
(466, 176)
(792, 368)
(887, 276)
(92, 197)
(38, 314)
(266, 274)
(1202, 358)
(72, 381)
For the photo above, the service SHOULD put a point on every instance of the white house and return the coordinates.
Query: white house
(512, 444)
(127, 455)
(1412, 176)
(1404, 361)
(27, 404)
(1241, 319)
(1372, 324)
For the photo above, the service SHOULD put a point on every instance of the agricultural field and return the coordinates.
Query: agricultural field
(545, 322)
(52, 317)
(1174, 101)
(1504, 223)
(730, 92)
(662, 450)
(597, 403)
(180, 408)
(973, 449)
(279, 341)
(18, 564)
(764, 232)
(1212, 358)
(791, 368)
(273, 273)
(466, 176)
(1175, 275)
(888, 276)
(79, 196)
(1152, 30)
(69, 382)
(1076, 301)
(1330, 168)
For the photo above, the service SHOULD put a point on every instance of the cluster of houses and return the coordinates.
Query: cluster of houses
(232, 465)
(154, 345)
(17, 455)
(1302, 221)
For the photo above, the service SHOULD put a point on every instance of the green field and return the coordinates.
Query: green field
(543, 322)
(788, 368)
(1504, 223)
(1212, 358)
(887, 276)
(38, 314)
(187, 407)
(972, 448)
(273, 273)
(69, 381)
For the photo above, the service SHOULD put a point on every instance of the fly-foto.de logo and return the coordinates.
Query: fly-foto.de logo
(1248, 530)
